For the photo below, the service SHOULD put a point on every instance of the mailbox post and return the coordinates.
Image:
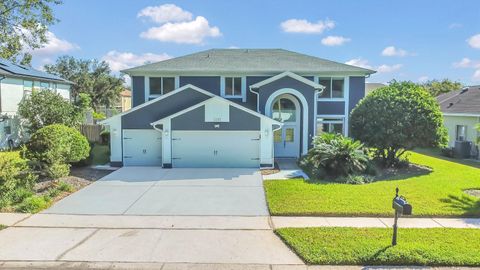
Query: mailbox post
(402, 207)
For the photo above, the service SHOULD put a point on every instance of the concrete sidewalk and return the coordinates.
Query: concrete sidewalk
(361, 222)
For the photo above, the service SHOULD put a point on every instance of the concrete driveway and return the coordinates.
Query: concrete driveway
(157, 191)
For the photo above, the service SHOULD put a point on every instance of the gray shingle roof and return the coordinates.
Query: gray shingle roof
(268, 61)
(466, 101)
(8, 68)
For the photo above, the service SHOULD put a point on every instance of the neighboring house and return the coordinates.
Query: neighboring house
(461, 112)
(17, 81)
(232, 108)
(370, 87)
(125, 102)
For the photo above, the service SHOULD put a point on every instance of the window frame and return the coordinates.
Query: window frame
(25, 91)
(330, 120)
(149, 95)
(243, 87)
(464, 133)
(331, 79)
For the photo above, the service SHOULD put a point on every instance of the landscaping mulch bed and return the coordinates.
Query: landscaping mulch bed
(473, 192)
(275, 170)
(409, 171)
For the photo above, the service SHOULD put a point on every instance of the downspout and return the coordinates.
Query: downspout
(1, 79)
(258, 98)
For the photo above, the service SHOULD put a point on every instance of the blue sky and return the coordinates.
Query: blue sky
(405, 40)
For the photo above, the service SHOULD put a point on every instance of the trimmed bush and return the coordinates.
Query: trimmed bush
(53, 147)
(335, 156)
(33, 204)
(398, 118)
(14, 175)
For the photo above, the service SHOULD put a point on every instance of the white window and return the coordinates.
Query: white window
(161, 85)
(233, 87)
(461, 133)
(330, 125)
(334, 87)
(27, 88)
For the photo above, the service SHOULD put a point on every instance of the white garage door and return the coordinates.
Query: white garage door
(142, 147)
(227, 149)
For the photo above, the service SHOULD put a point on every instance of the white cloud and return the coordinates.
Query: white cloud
(123, 60)
(388, 68)
(334, 40)
(359, 62)
(392, 51)
(306, 27)
(423, 79)
(165, 13)
(474, 41)
(476, 75)
(455, 25)
(54, 45)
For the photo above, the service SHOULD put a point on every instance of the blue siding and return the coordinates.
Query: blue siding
(138, 90)
(209, 83)
(331, 107)
(357, 91)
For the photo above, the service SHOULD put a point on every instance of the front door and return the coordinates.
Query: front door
(286, 139)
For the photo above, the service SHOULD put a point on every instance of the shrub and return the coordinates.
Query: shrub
(14, 175)
(334, 155)
(33, 204)
(53, 147)
(398, 118)
(357, 179)
(43, 108)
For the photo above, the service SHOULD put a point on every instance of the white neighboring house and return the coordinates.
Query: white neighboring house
(461, 113)
(371, 86)
(17, 81)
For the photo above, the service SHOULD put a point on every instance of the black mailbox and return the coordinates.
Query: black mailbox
(401, 205)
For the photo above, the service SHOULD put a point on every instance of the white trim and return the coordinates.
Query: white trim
(331, 99)
(297, 94)
(216, 98)
(291, 75)
(335, 120)
(239, 73)
(333, 77)
(346, 95)
(315, 111)
(462, 114)
(330, 116)
(146, 84)
(148, 95)
(243, 81)
(185, 87)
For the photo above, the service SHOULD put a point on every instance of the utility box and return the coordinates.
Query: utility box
(462, 149)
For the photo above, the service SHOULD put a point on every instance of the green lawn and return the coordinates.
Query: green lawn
(439, 193)
(372, 246)
(2, 227)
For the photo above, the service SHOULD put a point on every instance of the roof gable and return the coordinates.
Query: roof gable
(290, 75)
(259, 61)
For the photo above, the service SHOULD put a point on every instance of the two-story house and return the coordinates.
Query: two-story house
(232, 108)
(17, 81)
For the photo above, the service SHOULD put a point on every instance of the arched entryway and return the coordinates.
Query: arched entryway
(286, 109)
(284, 102)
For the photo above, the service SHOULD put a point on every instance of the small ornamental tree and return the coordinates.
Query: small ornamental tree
(44, 107)
(398, 118)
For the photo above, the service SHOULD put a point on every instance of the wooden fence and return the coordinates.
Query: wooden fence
(92, 132)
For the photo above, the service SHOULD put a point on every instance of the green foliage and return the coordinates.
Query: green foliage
(478, 129)
(65, 187)
(53, 147)
(436, 87)
(14, 175)
(33, 204)
(24, 27)
(439, 193)
(358, 179)
(372, 246)
(335, 156)
(98, 116)
(43, 108)
(90, 77)
(397, 118)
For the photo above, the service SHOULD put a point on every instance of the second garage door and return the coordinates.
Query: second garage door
(227, 149)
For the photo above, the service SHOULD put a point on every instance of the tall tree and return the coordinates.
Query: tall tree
(23, 27)
(436, 87)
(90, 77)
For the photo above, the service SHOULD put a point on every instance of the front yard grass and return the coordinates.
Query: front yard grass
(439, 193)
(372, 246)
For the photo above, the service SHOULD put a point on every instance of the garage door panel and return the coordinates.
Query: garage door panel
(216, 149)
(142, 147)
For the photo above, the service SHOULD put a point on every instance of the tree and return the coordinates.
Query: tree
(90, 77)
(24, 26)
(398, 118)
(43, 108)
(436, 87)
